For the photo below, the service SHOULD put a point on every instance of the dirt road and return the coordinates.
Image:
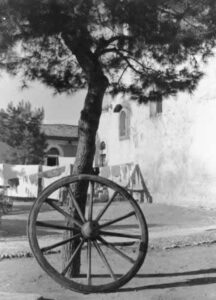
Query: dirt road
(186, 273)
(180, 264)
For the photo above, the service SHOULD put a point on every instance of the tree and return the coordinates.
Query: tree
(20, 129)
(96, 44)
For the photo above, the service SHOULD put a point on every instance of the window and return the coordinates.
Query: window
(52, 161)
(52, 157)
(123, 125)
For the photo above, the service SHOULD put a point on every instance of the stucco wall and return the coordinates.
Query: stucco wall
(176, 150)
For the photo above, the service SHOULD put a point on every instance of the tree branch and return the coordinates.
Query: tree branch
(103, 43)
(122, 74)
(127, 59)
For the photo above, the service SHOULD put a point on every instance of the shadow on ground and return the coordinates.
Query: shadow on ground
(183, 283)
(17, 228)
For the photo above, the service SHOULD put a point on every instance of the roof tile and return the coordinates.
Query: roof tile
(60, 130)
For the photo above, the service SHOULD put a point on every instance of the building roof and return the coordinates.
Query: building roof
(60, 130)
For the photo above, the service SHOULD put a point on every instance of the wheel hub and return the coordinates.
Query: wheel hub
(89, 229)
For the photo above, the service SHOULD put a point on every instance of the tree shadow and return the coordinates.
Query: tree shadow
(17, 228)
(174, 274)
(25, 209)
(182, 283)
(130, 226)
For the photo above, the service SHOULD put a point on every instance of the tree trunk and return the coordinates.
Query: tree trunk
(88, 125)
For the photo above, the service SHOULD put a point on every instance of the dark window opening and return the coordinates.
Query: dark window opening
(52, 157)
(52, 161)
(117, 108)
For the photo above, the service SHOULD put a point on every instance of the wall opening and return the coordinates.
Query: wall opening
(123, 125)
(52, 157)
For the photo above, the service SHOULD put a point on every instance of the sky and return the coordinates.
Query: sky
(65, 109)
(59, 109)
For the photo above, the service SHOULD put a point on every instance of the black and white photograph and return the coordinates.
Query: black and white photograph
(107, 149)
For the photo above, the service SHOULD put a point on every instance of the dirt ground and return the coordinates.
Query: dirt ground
(186, 273)
(180, 263)
(159, 217)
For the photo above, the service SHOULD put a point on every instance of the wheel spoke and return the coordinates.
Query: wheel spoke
(44, 249)
(64, 213)
(119, 234)
(72, 257)
(104, 259)
(90, 211)
(106, 206)
(89, 262)
(49, 225)
(117, 219)
(116, 250)
(75, 203)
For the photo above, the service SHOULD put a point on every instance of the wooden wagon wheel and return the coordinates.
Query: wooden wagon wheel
(112, 236)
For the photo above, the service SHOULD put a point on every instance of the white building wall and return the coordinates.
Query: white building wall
(118, 152)
(176, 150)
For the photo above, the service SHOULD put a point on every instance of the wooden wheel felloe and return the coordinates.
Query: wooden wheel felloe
(111, 236)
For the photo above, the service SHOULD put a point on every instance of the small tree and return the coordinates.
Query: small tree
(20, 129)
(94, 44)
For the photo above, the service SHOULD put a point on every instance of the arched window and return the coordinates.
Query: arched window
(124, 125)
(52, 157)
(53, 151)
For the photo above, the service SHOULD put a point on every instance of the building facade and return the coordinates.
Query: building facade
(62, 141)
(171, 141)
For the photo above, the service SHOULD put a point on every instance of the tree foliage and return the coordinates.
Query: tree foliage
(157, 42)
(20, 129)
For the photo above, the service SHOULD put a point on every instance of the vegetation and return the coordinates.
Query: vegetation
(20, 129)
